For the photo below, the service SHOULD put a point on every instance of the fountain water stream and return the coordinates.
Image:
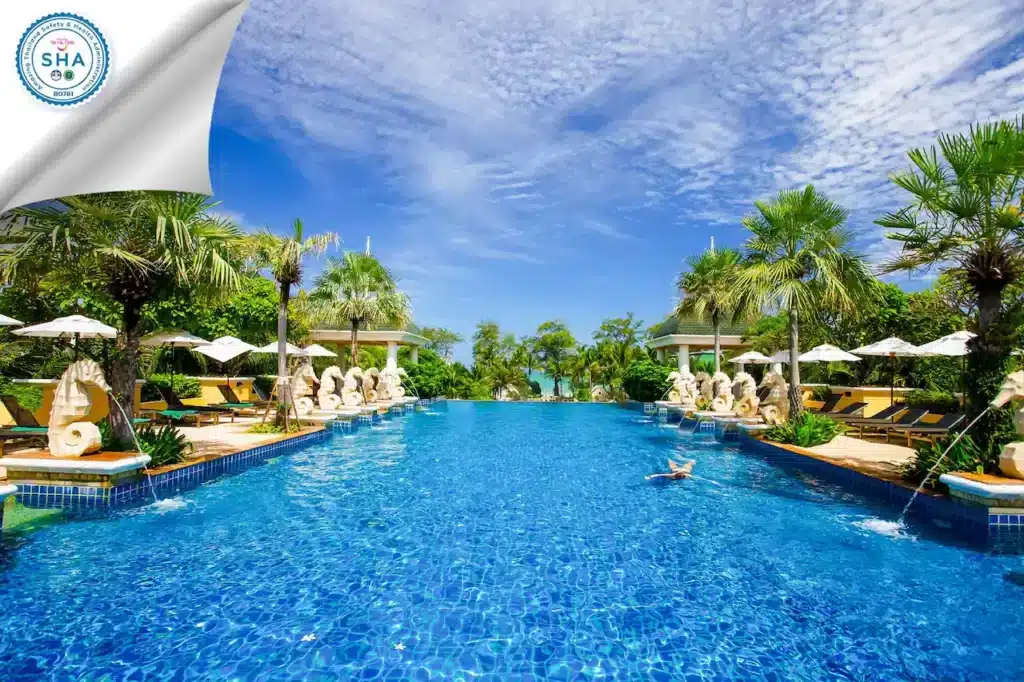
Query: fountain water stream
(935, 466)
(138, 447)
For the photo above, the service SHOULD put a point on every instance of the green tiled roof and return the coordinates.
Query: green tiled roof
(673, 325)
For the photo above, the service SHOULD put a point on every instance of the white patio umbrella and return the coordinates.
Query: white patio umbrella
(74, 327)
(174, 338)
(827, 353)
(271, 348)
(226, 348)
(9, 322)
(781, 356)
(315, 350)
(751, 357)
(891, 348)
(950, 345)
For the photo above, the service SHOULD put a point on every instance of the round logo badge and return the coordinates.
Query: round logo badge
(63, 59)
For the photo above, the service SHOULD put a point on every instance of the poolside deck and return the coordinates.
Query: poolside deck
(881, 460)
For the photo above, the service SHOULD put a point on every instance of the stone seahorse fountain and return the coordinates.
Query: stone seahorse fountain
(330, 383)
(747, 403)
(351, 390)
(775, 408)
(1011, 459)
(722, 386)
(69, 433)
(684, 388)
(303, 382)
(370, 385)
(707, 387)
(389, 383)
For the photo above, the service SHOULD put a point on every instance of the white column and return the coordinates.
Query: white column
(392, 355)
(660, 354)
(414, 354)
(684, 359)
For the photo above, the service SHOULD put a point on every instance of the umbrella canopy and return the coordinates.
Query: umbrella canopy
(891, 347)
(9, 321)
(70, 327)
(225, 348)
(951, 345)
(828, 353)
(781, 356)
(271, 348)
(317, 351)
(752, 357)
(174, 338)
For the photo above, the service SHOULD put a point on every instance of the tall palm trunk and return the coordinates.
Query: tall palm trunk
(796, 402)
(123, 371)
(986, 365)
(284, 392)
(354, 345)
(718, 346)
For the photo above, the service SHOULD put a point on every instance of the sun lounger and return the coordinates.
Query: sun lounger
(908, 418)
(232, 402)
(946, 423)
(175, 404)
(849, 411)
(885, 416)
(830, 403)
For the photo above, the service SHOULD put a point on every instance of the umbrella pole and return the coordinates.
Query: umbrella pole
(78, 341)
(892, 382)
(172, 367)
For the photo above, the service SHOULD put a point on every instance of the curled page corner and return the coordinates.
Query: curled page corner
(148, 127)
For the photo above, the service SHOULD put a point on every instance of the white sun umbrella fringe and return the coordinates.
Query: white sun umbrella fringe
(74, 327)
(892, 348)
(172, 339)
(827, 353)
(315, 350)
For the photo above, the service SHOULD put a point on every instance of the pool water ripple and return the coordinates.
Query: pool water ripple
(506, 542)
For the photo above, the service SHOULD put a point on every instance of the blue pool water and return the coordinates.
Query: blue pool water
(505, 541)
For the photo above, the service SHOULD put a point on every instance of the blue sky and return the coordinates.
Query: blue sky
(538, 159)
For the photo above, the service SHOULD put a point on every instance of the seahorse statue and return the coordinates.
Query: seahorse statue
(747, 403)
(1011, 459)
(775, 408)
(707, 388)
(303, 382)
(330, 383)
(370, 385)
(389, 383)
(722, 386)
(351, 392)
(70, 435)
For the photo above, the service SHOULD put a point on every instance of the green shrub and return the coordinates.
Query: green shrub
(271, 427)
(184, 386)
(966, 455)
(941, 402)
(28, 396)
(805, 430)
(645, 380)
(582, 394)
(821, 393)
(164, 444)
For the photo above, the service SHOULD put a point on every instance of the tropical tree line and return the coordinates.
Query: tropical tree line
(142, 261)
(800, 278)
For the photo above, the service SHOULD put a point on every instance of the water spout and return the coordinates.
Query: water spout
(138, 447)
(935, 466)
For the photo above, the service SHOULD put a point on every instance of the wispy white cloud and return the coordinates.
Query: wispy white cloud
(513, 129)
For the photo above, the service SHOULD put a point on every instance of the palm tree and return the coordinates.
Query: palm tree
(799, 260)
(709, 292)
(966, 215)
(283, 256)
(359, 291)
(132, 248)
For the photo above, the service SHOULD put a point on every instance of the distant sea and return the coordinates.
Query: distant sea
(547, 384)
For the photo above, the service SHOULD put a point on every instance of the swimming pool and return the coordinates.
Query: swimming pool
(505, 541)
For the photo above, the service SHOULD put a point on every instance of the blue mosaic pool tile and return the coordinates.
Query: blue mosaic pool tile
(84, 497)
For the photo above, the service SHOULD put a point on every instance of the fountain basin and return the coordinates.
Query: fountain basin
(986, 489)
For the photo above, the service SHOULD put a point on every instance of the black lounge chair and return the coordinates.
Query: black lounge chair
(850, 410)
(944, 425)
(908, 418)
(882, 417)
(830, 404)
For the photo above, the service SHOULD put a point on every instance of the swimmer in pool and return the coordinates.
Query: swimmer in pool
(675, 471)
